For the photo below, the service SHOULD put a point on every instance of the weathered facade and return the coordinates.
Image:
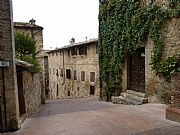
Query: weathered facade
(36, 33)
(29, 90)
(137, 73)
(9, 108)
(74, 70)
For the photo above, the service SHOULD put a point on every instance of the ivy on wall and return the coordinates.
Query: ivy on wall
(123, 26)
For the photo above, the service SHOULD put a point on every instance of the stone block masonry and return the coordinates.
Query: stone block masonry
(8, 81)
(173, 112)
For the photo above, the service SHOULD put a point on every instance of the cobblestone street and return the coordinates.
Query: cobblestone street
(91, 117)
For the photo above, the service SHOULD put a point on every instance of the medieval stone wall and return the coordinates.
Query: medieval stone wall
(170, 33)
(32, 92)
(9, 106)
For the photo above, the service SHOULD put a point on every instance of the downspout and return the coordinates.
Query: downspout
(63, 70)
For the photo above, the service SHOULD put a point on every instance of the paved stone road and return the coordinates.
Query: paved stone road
(92, 117)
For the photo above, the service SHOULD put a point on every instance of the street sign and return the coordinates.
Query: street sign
(4, 63)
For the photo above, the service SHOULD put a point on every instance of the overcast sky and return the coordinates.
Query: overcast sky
(61, 19)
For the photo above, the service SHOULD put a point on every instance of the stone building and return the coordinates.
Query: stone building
(20, 91)
(74, 70)
(9, 108)
(139, 82)
(36, 32)
(29, 90)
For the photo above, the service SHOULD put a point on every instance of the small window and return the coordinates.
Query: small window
(68, 52)
(57, 72)
(68, 73)
(82, 50)
(73, 51)
(69, 93)
(75, 75)
(92, 76)
(57, 90)
(82, 75)
(61, 72)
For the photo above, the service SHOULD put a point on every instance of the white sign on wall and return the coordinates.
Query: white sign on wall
(4, 64)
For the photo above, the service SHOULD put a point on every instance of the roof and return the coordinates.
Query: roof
(22, 63)
(26, 25)
(76, 44)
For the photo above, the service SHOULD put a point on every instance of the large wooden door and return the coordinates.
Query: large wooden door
(137, 71)
(22, 108)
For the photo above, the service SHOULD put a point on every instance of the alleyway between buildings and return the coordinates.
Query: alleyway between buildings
(89, 116)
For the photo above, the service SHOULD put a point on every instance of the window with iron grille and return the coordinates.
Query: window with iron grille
(82, 75)
(68, 73)
(92, 76)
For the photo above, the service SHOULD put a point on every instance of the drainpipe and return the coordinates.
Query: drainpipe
(63, 70)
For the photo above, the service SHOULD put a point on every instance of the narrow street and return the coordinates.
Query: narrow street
(88, 116)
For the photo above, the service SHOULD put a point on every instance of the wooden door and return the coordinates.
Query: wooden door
(22, 108)
(92, 90)
(137, 70)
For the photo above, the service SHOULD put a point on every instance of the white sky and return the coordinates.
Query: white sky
(61, 19)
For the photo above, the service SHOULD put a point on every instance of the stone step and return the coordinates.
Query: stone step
(125, 100)
(129, 96)
(138, 94)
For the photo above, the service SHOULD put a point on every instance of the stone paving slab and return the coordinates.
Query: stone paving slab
(92, 117)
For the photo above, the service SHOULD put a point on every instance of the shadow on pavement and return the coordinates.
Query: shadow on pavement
(168, 130)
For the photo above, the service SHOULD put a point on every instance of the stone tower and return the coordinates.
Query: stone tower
(9, 108)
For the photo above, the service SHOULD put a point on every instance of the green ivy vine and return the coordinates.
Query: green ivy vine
(123, 26)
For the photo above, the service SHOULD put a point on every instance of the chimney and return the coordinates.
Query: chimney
(32, 21)
(72, 41)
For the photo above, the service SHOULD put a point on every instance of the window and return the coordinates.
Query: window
(61, 72)
(68, 52)
(92, 76)
(57, 72)
(68, 93)
(82, 50)
(75, 75)
(82, 75)
(68, 73)
(73, 51)
(57, 90)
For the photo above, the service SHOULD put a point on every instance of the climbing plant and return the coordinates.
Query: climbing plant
(123, 26)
